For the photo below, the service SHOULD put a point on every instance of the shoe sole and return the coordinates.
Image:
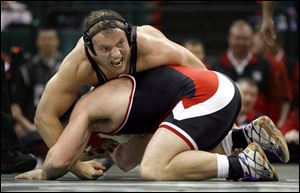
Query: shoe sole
(282, 151)
(255, 147)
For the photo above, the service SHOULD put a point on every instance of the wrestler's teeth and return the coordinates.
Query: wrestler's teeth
(116, 62)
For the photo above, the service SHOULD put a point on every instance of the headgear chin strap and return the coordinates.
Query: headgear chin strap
(112, 22)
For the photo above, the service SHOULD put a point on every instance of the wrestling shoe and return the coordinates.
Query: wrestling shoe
(14, 161)
(255, 164)
(264, 132)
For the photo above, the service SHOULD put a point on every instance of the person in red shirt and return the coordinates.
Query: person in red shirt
(240, 61)
(291, 127)
(280, 93)
(283, 105)
(249, 94)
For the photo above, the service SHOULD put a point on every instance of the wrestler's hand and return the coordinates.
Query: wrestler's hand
(31, 175)
(89, 170)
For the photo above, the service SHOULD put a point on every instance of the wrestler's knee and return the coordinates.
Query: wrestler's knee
(153, 171)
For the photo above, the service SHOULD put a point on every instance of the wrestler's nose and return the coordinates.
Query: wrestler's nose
(115, 52)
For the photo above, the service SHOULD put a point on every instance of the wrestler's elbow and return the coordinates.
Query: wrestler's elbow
(55, 162)
(38, 120)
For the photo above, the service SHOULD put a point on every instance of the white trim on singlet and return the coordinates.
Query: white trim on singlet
(184, 135)
(131, 78)
(218, 101)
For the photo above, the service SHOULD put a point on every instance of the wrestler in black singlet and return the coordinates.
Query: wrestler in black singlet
(158, 91)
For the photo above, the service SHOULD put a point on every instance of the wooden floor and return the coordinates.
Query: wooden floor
(117, 181)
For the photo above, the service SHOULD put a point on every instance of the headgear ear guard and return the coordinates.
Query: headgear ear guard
(111, 23)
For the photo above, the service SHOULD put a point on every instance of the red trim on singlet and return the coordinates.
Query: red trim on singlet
(179, 135)
(129, 104)
(203, 91)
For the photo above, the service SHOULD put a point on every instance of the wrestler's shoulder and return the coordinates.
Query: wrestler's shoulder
(150, 31)
(77, 54)
(145, 28)
(79, 48)
(77, 59)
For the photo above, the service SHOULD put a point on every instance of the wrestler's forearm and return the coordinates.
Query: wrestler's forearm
(50, 128)
(54, 165)
(68, 149)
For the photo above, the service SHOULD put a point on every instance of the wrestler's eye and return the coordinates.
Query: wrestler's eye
(121, 43)
(104, 49)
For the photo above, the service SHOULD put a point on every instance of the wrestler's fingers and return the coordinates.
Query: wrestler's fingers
(33, 174)
(98, 165)
(96, 174)
(21, 176)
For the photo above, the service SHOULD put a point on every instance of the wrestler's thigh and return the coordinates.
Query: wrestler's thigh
(163, 146)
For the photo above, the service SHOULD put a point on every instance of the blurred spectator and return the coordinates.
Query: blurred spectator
(12, 160)
(280, 96)
(28, 135)
(267, 30)
(23, 125)
(34, 75)
(279, 19)
(285, 72)
(239, 61)
(197, 48)
(29, 85)
(291, 128)
(249, 94)
(14, 12)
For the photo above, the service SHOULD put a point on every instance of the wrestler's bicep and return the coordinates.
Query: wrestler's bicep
(57, 98)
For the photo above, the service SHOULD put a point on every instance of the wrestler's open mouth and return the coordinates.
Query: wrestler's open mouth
(117, 62)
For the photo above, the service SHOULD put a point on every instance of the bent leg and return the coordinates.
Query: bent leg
(130, 154)
(168, 157)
